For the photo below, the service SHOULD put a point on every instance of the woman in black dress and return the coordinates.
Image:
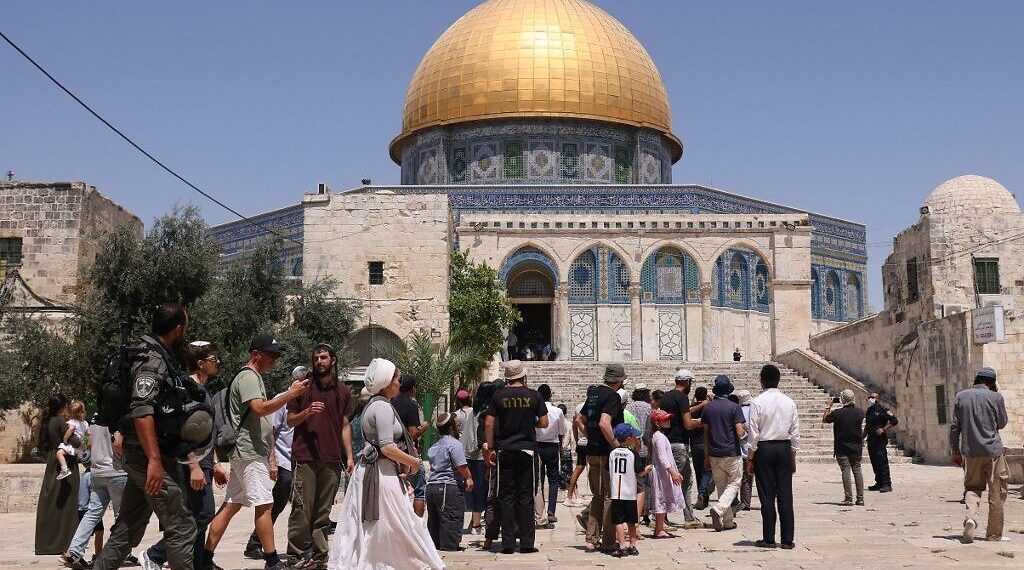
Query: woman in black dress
(57, 513)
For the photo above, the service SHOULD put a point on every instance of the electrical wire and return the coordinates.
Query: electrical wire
(139, 148)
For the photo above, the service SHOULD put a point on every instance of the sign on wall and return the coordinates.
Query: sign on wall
(988, 325)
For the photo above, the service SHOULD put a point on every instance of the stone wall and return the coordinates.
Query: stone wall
(60, 225)
(407, 232)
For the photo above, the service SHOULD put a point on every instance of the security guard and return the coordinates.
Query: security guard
(877, 420)
(150, 457)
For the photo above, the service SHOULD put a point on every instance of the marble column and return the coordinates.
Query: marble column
(636, 322)
(707, 342)
(561, 321)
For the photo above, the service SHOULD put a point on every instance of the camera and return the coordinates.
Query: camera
(835, 400)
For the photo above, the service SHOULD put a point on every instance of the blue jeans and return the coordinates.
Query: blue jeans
(105, 490)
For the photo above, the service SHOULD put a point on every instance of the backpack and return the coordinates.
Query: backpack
(226, 431)
(114, 390)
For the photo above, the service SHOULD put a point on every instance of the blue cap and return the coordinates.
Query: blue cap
(622, 431)
(987, 373)
(723, 386)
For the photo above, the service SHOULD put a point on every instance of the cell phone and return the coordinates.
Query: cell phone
(835, 400)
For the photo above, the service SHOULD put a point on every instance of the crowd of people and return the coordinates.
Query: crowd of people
(502, 456)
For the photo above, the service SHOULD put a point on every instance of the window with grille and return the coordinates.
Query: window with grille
(619, 283)
(738, 283)
(830, 306)
(986, 276)
(10, 251)
(940, 404)
(912, 292)
(531, 284)
(582, 274)
(570, 161)
(513, 160)
(376, 270)
(621, 165)
(852, 301)
(761, 284)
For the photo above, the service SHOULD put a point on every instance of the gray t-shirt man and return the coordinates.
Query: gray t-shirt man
(978, 415)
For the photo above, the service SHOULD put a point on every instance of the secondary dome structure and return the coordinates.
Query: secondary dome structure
(536, 60)
(971, 195)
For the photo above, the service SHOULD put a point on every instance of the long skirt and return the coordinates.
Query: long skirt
(57, 511)
(398, 540)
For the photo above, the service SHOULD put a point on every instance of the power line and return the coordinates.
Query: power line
(139, 148)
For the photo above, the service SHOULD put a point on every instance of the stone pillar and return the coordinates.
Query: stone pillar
(707, 342)
(561, 321)
(791, 289)
(635, 321)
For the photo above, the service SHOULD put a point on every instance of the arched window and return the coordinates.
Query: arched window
(528, 258)
(583, 279)
(670, 276)
(853, 303)
(737, 282)
(742, 281)
(618, 279)
(372, 342)
(762, 281)
(831, 303)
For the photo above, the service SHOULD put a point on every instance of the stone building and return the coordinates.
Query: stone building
(954, 302)
(49, 237)
(537, 136)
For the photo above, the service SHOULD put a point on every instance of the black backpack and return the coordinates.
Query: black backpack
(114, 392)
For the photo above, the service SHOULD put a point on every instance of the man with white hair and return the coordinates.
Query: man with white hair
(847, 427)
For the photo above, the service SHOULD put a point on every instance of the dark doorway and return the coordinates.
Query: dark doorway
(534, 332)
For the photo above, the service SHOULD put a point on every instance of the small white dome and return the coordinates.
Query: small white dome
(971, 195)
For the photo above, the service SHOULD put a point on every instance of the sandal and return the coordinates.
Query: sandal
(661, 536)
(632, 551)
(618, 553)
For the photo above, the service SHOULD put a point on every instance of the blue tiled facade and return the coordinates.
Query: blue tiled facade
(240, 238)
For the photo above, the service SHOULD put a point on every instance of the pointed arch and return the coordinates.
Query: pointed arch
(670, 275)
(815, 294)
(531, 254)
(831, 298)
(742, 280)
(582, 278)
(853, 299)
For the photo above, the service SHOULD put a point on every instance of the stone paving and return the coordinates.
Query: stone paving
(916, 526)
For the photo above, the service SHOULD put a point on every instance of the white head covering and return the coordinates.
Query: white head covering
(378, 375)
(623, 395)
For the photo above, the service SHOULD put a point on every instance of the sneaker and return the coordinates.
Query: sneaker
(552, 519)
(130, 561)
(846, 503)
(716, 519)
(886, 489)
(860, 502)
(528, 550)
(969, 526)
(701, 504)
(75, 562)
(64, 474)
(646, 521)
(254, 553)
(730, 526)
(875, 487)
(147, 563)
(788, 545)
(282, 564)
(765, 544)
(693, 524)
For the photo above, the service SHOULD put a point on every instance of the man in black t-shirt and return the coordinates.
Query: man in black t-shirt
(515, 413)
(847, 429)
(603, 411)
(677, 403)
(411, 416)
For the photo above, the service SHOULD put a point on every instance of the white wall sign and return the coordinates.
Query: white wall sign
(988, 325)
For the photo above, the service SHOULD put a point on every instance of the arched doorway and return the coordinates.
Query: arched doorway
(373, 341)
(530, 278)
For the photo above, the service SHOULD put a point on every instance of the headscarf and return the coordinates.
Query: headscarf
(378, 375)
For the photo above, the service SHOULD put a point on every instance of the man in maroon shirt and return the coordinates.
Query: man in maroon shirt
(322, 440)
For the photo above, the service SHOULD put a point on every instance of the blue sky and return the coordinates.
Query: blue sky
(853, 109)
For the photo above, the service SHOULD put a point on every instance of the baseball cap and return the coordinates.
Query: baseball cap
(683, 374)
(266, 342)
(622, 431)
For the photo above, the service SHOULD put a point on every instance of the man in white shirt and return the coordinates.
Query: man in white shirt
(549, 444)
(774, 429)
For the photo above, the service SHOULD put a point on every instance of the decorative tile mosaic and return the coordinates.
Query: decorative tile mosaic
(671, 344)
(597, 163)
(542, 159)
(582, 334)
(485, 162)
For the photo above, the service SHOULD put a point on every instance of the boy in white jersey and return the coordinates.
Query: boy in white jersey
(624, 465)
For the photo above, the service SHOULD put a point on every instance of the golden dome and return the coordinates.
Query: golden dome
(537, 58)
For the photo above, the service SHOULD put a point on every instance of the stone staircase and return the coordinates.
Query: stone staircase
(569, 381)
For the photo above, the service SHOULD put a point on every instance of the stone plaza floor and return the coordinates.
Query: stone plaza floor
(916, 526)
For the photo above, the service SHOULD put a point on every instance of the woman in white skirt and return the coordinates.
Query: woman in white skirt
(377, 528)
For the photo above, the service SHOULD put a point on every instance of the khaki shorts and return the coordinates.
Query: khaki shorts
(249, 483)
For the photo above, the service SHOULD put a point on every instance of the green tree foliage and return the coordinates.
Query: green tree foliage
(177, 260)
(480, 312)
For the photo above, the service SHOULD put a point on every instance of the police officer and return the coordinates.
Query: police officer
(877, 420)
(150, 460)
